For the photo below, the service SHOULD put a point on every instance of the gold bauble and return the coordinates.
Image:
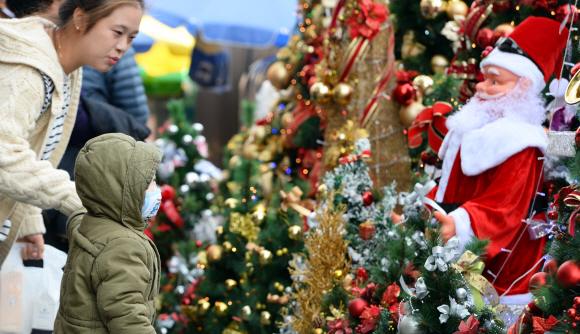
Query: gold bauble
(246, 312)
(456, 7)
(337, 275)
(286, 119)
(280, 288)
(265, 318)
(424, 83)
(321, 193)
(214, 253)
(202, 307)
(259, 207)
(439, 63)
(342, 93)
(279, 252)
(321, 93)
(410, 47)
(260, 132)
(234, 161)
(227, 246)
(318, 331)
(431, 8)
(279, 75)
(202, 258)
(407, 114)
(251, 152)
(265, 257)
(258, 217)
(221, 309)
(295, 232)
(310, 34)
(230, 284)
(285, 251)
(231, 202)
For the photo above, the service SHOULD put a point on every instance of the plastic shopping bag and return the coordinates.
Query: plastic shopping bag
(29, 296)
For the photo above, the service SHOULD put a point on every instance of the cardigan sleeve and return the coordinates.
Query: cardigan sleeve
(22, 177)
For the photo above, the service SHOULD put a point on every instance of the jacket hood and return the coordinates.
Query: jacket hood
(112, 173)
(25, 41)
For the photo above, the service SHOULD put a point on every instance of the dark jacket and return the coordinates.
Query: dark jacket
(111, 279)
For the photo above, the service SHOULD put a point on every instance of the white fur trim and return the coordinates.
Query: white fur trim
(523, 299)
(518, 65)
(447, 153)
(493, 144)
(462, 226)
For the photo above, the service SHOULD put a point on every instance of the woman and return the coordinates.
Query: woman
(40, 79)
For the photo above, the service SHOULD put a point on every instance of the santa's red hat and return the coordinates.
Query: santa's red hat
(534, 50)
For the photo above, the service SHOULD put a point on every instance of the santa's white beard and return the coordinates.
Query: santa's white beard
(519, 104)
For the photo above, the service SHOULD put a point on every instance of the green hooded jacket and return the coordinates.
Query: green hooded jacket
(111, 278)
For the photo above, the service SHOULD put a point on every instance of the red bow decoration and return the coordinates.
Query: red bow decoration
(168, 207)
(361, 275)
(431, 120)
(370, 319)
(300, 114)
(390, 298)
(542, 325)
(470, 327)
(573, 200)
(351, 157)
(405, 76)
(367, 292)
(367, 20)
(339, 326)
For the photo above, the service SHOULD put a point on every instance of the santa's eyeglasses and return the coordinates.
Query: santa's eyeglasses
(506, 44)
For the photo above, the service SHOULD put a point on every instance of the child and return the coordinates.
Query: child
(111, 278)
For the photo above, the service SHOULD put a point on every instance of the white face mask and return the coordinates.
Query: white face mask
(151, 205)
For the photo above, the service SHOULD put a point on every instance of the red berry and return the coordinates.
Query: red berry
(577, 300)
(198, 243)
(571, 313)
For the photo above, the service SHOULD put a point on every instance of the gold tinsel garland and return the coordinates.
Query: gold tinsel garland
(327, 255)
(244, 225)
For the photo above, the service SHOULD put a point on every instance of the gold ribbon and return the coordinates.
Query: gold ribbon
(471, 267)
(292, 199)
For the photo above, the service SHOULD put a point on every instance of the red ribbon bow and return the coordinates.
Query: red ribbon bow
(542, 325)
(432, 120)
(168, 207)
(573, 200)
(351, 157)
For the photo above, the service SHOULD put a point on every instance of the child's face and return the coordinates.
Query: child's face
(152, 186)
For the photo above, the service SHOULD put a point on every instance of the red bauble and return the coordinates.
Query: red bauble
(564, 10)
(553, 215)
(311, 82)
(502, 30)
(571, 313)
(198, 243)
(550, 267)
(538, 280)
(368, 198)
(483, 38)
(357, 306)
(577, 137)
(404, 93)
(569, 274)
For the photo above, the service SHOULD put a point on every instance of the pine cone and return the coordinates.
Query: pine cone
(318, 322)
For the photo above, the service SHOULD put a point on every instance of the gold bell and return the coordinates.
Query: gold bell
(572, 95)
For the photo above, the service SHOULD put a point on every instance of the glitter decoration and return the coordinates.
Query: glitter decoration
(561, 143)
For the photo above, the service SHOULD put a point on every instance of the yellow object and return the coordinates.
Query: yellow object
(230, 284)
(295, 232)
(572, 95)
(221, 309)
(202, 307)
(456, 7)
(439, 63)
(214, 253)
(171, 52)
(471, 267)
(265, 318)
(265, 257)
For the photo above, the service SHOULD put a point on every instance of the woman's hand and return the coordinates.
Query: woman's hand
(35, 248)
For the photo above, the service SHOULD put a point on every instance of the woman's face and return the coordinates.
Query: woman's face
(110, 38)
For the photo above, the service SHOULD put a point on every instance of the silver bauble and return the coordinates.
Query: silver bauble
(191, 179)
(207, 213)
(172, 129)
(184, 189)
(461, 293)
(391, 234)
(160, 142)
(187, 140)
(180, 289)
(210, 196)
(199, 139)
(409, 325)
(204, 178)
(198, 127)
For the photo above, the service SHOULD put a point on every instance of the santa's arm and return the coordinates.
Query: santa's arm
(498, 213)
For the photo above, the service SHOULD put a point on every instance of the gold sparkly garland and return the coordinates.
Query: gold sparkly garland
(244, 226)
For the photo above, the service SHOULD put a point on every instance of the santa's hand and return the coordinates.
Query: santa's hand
(396, 218)
(447, 225)
(35, 247)
(575, 69)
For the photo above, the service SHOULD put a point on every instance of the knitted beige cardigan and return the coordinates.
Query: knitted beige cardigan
(27, 184)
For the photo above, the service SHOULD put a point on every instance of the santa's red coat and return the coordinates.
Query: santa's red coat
(497, 200)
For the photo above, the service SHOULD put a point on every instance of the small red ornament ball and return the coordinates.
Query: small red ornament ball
(368, 198)
(553, 215)
(571, 313)
(550, 267)
(569, 274)
(577, 301)
(198, 243)
(538, 280)
(404, 93)
(484, 37)
(357, 306)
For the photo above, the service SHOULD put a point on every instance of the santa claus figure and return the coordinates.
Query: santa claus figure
(492, 155)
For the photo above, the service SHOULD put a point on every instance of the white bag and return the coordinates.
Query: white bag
(29, 296)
